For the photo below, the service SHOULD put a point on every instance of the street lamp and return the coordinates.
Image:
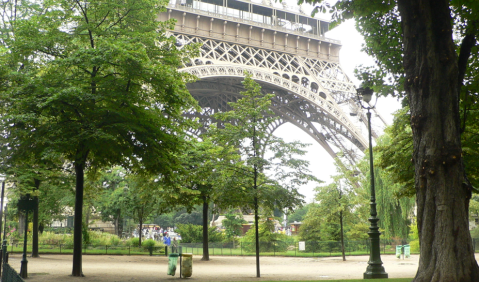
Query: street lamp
(375, 267)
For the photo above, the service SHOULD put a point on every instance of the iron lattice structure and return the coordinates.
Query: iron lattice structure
(311, 90)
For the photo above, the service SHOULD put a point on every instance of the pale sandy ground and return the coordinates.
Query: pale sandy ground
(219, 268)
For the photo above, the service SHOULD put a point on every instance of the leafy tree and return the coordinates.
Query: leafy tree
(394, 209)
(233, 224)
(299, 214)
(394, 154)
(311, 229)
(143, 199)
(412, 41)
(109, 205)
(47, 184)
(97, 83)
(269, 240)
(211, 168)
(246, 129)
(336, 204)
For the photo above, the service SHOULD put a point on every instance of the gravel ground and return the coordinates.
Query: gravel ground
(219, 268)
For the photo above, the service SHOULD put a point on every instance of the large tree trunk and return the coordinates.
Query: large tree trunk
(206, 252)
(432, 85)
(77, 223)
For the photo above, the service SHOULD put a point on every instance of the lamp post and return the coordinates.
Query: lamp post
(26, 203)
(375, 267)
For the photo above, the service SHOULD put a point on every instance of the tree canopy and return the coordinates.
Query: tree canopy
(96, 83)
(418, 57)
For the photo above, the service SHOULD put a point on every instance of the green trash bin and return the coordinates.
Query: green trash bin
(407, 251)
(398, 251)
(187, 265)
(172, 261)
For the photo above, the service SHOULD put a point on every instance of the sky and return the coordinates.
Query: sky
(321, 163)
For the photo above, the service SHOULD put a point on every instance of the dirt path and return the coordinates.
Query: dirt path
(219, 268)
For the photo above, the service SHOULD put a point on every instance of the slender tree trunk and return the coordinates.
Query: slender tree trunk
(141, 231)
(430, 63)
(77, 223)
(87, 217)
(256, 237)
(35, 231)
(118, 223)
(255, 186)
(206, 252)
(35, 222)
(342, 234)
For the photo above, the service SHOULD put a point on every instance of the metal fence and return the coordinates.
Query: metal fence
(10, 275)
(292, 248)
(273, 248)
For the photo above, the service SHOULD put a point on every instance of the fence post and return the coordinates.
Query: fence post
(241, 247)
(106, 249)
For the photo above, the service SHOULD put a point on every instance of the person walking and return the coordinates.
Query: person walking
(174, 245)
(167, 240)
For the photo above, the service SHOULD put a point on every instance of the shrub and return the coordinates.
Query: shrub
(148, 243)
(269, 241)
(191, 233)
(135, 242)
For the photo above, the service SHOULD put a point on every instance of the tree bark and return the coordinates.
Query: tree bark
(206, 252)
(430, 63)
(77, 223)
(342, 235)
(35, 231)
(141, 229)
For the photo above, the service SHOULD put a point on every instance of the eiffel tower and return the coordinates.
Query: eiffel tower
(286, 52)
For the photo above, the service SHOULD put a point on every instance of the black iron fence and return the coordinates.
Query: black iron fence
(271, 248)
(285, 248)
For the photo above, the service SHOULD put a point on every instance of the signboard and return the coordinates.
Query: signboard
(302, 246)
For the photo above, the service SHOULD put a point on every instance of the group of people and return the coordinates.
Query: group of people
(157, 234)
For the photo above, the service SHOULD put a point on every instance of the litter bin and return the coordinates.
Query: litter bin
(407, 251)
(187, 265)
(172, 261)
(398, 251)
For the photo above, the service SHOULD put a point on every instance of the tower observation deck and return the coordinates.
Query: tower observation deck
(285, 51)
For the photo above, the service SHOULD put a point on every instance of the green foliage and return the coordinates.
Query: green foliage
(268, 240)
(194, 233)
(246, 129)
(358, 231)
(233, 223)
(93, 88)
(135, 242)
(414, 238)
(312, 225)
(149, 243)
(103, 238)
(394, 154)
(299, 213)
(85, 234)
